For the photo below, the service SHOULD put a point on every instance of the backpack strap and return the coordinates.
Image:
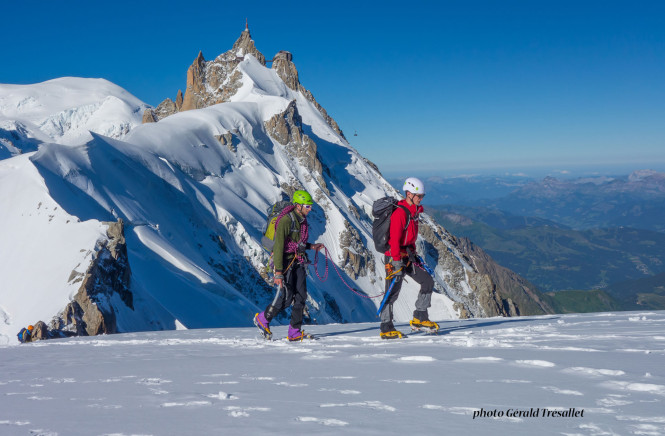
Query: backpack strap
(408, 220)
(293, 221)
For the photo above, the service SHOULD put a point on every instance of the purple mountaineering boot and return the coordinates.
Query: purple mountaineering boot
(294, 334)
(262, 323)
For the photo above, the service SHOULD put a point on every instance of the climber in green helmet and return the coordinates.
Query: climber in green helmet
(290, 260)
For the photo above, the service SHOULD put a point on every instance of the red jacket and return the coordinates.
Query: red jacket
(400, 238)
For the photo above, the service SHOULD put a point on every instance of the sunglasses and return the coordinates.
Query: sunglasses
(421, 196)
(306, 206)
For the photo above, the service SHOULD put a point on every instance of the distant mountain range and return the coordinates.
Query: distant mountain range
(636, 200)
(566, 236)
(555, 257)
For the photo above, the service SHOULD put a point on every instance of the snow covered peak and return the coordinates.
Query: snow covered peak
(641, 175)
(63, 111)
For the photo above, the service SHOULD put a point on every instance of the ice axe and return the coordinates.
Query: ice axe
(385, 298)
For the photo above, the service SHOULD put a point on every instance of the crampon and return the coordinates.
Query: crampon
(264, 329)
(394, 334)
(429, 327)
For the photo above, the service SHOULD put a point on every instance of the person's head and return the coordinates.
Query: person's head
(414, 190)
(303, 202)
(31, 327)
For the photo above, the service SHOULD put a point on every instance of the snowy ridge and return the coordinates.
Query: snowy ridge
(591, 374)
(63, 111)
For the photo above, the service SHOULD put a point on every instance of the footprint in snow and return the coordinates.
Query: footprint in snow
(376, 405)
(187, 404)
(594, 372)
(36, 398)
(222, 396)
(406, 381)
(417, 359)
(636, 387)
(104, 406)
(561, 391)
(336, 377)
(16, 423)
(323, 421)
(536, 363)
(613, 400)
(243, 412)
(61, 380)
(258, 378)
(373, 356)
(292, 385)
(318, 356)
(152, 381)
(454, 410)
(341, 391)
(482, 359)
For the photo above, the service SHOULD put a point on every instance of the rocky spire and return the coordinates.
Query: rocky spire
(245, 45)
(213, 82)
(283, 65)
(195, 92)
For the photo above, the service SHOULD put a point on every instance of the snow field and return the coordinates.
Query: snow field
(229, 381)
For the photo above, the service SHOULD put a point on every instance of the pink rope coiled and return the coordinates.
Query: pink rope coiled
(325, 275)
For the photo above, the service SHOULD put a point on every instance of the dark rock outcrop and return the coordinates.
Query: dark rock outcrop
(286, 128)
(358, 261)
(104, 286)
(482, 299)
(519, 296)
(149, 116)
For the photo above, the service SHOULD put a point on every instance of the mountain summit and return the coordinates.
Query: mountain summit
(217, 81)
(161, 228)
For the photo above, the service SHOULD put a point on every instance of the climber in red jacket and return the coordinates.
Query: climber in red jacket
(402, 258)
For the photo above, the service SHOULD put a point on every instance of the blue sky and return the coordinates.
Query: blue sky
(436, 87)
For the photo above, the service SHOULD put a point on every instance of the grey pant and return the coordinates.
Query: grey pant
(424, 300)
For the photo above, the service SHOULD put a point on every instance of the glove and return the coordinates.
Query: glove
(316, 247)
(279, 278)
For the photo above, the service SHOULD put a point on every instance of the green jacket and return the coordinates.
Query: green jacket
(283, 234)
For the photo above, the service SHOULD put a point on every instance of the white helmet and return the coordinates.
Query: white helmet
(413, 185)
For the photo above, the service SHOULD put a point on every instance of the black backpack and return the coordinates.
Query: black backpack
(382, 209)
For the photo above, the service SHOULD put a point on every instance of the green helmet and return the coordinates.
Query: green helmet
(302, 197)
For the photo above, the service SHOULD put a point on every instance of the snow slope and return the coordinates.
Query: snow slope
(608, 367)
(63, 111)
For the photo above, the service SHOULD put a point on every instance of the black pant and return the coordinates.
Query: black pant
(294, 290)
